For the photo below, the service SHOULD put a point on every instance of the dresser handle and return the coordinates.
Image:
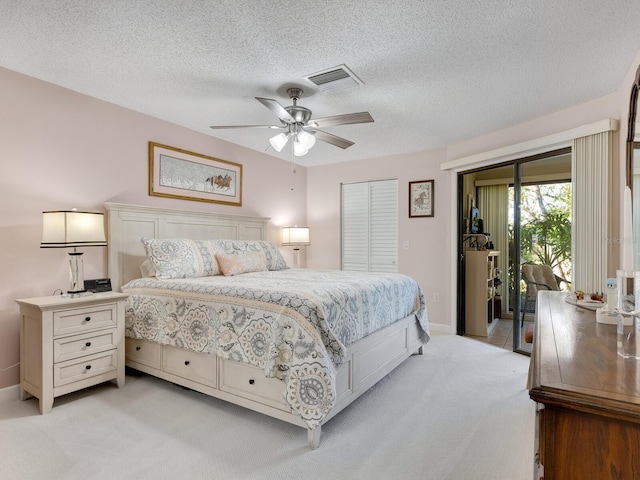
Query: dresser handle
(88, 344)
(187, 362)
(138, 348)
(251, 381)
(87, 319)
(88, 367)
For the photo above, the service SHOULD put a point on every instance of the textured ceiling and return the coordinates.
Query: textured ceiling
(435, 72)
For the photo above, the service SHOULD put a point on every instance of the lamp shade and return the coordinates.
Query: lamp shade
(70, 228)
(299, 150)
(279, 141)
(306, 139)
(294, 236)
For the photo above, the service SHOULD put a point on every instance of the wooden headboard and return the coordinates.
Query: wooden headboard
(127, 224)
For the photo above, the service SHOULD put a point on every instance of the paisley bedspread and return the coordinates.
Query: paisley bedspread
(294, 324)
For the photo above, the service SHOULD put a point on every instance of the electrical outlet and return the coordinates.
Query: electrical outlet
(406, 245)
(436, 297)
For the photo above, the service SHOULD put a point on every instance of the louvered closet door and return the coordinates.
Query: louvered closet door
(370, 226)
(355, 227)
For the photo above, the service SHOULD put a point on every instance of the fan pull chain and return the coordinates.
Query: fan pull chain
(293, 168)
(293, 172)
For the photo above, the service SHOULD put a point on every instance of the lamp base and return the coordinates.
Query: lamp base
(296, 258)
(76, 273)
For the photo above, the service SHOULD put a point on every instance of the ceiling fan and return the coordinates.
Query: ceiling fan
(298, 125)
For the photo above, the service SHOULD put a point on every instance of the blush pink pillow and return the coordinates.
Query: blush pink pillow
(237, 263)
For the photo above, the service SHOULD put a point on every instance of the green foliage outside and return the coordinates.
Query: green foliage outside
(545, 231)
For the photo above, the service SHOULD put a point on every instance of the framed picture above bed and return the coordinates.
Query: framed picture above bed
(421, 198)
(177, 173)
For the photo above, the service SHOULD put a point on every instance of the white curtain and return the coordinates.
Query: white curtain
(591, 162)
(493, 203)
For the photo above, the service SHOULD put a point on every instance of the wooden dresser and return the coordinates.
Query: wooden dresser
(588, 397)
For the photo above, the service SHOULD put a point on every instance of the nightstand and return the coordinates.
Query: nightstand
(70, 343)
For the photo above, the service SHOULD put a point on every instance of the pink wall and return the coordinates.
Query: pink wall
(62, 150)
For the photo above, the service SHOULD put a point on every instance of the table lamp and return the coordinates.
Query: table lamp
(71, 228)
(295, 237)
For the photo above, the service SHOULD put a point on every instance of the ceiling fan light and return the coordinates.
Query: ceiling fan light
(299, 150)
(279, 141)
(306, 139)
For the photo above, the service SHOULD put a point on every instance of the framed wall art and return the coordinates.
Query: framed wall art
(421, 198)
(177, 173)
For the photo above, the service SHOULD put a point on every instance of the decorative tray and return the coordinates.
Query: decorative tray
(586, 303)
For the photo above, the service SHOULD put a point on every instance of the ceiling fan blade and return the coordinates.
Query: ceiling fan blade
(347, 119)
(276, 108)
(332, 139)
(218, 127)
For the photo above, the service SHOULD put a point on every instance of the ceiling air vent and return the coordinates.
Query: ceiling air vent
(336, 78)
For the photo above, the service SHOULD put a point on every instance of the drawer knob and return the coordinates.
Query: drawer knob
(88, 367)
(187, 362)
(87, 319)
(88, 344)
(251, 381)
(138, 348)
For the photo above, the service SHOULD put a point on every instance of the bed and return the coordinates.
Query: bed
(234, 322)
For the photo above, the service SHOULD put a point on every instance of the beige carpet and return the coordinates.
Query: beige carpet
(460, 411)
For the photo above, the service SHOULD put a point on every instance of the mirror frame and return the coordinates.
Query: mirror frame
(633, 102)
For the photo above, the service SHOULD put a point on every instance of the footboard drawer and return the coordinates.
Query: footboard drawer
(197, 367)
(249, 382)
(143, 352)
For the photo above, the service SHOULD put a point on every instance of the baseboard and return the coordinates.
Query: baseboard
(439, 329)
(9, 393)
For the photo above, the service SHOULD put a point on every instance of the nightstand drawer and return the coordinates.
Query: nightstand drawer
(82, 368)
(142, 351)
(249, 382)
(199, 367)
(79, 320)
(67, 348)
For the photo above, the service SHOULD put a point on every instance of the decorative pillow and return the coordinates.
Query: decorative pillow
(147, 269)
(237, 263)
(272, 256)
(181, 257)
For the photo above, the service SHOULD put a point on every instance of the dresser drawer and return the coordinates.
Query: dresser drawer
(79, 320)
(249, 382)
(85, 367)
(67, 348)
(198, 367)
(143, 351)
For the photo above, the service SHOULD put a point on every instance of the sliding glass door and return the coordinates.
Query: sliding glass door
(543, 227)
(522, 219)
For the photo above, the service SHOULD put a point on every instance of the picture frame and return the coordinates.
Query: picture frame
(185, 175)
(421, 198)
(474, 220)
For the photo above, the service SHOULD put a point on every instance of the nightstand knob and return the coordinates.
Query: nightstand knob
(187, 362)
(88, 367)
(251, 381)
(88, 344)
(138, 348)
(87, 319)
